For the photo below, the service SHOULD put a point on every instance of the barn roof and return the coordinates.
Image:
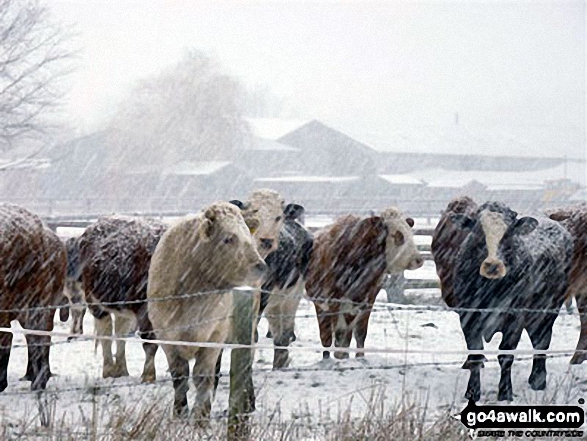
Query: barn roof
(310, 179)
(197, 168)
(538, 142)
(274, 128)
(493, 180)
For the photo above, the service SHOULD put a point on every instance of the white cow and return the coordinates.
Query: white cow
(195, 266)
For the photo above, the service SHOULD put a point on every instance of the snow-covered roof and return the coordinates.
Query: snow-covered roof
(263, 144)
(25, 163)
(274, 128)
(462, 140)
(401, 179)
(310, 179)
(198, 168)
(493, 180)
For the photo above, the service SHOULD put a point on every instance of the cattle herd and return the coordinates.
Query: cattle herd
(499, 272)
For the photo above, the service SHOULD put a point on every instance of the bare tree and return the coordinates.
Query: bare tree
(33, 52)
(190, 112)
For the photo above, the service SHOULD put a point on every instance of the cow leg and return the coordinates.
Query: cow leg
(30, 376)
(104, 329)
(360, 331)
(204, 379)
(343, 334)
(5, 346)
(473, 337)
(146, 332)
(179, 368)
(123, 325)
(77, 327)
(540, 337)
(281, 315)
(39, 347)
(325, 323)
(510, 340)
(581, 353)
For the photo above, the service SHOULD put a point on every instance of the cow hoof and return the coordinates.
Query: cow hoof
(578, 358)
(120, 372)
(148, 378)
(3, 385)
(341, 355)
(26, 377)
(474, 395)
(325, 355)
(360, 355)
(505, 395)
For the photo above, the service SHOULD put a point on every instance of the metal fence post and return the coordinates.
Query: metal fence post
(241, 400)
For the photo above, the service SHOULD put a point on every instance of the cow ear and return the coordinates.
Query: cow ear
(462, 220)
(205, 230)
(293, 211)
(410, 222)
(253, 224)
(559, 216)
(238, 203)
(525, 225)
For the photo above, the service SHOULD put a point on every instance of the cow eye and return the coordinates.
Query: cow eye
(399, 238)
(278, 218)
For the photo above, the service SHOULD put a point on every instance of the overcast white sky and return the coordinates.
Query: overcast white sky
(370, 68)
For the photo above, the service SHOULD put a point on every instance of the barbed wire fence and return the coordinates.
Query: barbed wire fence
(380, 310)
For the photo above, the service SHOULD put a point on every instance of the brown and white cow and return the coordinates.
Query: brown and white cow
(446, 242)
(574, 219)
(195, 266)
(346, 272)
(32, 275)
(115, 254)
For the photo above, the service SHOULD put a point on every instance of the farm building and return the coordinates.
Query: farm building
(307, 161)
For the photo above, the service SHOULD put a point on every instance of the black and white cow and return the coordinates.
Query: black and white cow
(283, 287)
(511, 274)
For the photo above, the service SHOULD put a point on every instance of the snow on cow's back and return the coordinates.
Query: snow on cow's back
(550, 239)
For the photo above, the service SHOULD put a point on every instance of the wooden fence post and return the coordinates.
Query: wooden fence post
(241, 401)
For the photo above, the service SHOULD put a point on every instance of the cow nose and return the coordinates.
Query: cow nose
(260, 269)
(266, 244)
(491, 268)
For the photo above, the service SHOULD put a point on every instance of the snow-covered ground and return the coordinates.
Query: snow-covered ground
(310, 385)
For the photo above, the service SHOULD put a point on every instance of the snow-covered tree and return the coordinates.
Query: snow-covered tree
(191, 111)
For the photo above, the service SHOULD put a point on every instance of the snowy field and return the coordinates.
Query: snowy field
(310, 387)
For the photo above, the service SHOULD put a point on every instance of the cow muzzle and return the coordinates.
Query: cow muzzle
(259, 270)
(492, 269)
(416, 263)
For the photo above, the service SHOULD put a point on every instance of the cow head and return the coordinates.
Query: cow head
(400, 250)
(498, 226)
(233, 252)
(267, 206)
